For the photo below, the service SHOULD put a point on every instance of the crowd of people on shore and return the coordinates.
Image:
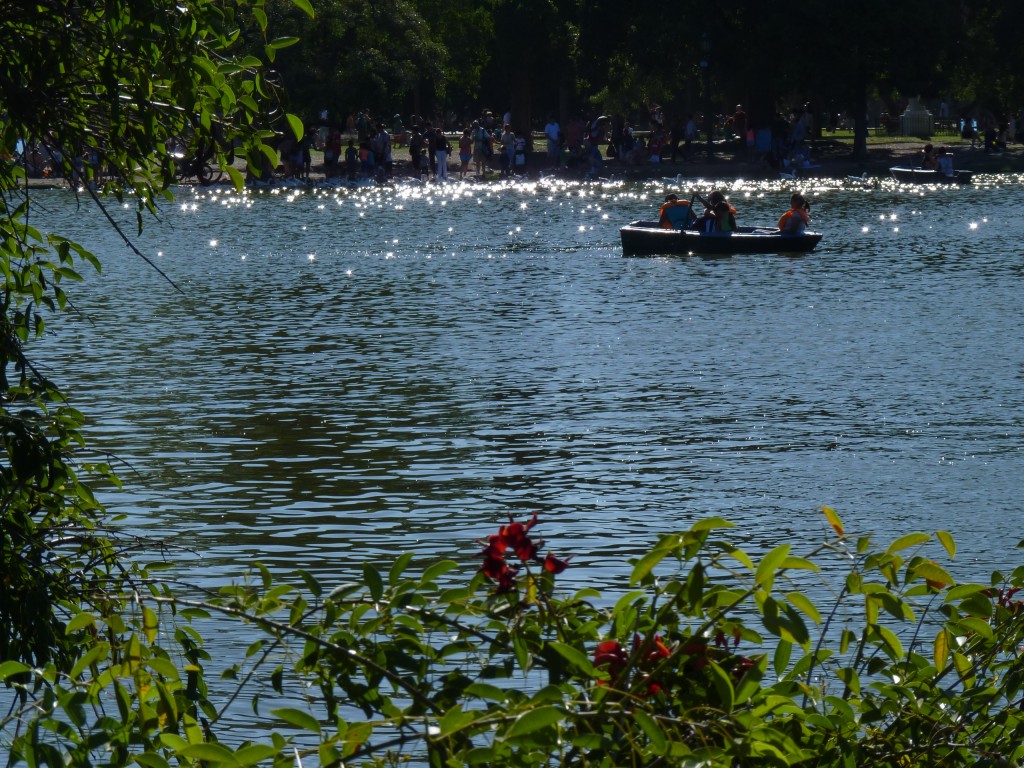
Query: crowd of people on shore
(440, 148)
(443, 147)
(434, 152)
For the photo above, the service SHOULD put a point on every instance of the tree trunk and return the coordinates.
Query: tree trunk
(860, 119)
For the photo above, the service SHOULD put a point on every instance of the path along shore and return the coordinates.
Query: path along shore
(830, 159)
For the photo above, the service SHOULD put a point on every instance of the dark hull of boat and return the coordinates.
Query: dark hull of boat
(928, 176)
(648, 238)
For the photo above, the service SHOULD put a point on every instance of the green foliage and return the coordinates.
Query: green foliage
(102, 88)
(709, 656)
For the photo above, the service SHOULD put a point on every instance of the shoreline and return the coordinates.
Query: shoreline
(831, 160)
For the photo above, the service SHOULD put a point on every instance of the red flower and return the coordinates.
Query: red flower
(506, 581)
(513, 536)
(611, 654)
(493, 567)
(553, 565)
(660, 650)
(653, 687)
(744, 663)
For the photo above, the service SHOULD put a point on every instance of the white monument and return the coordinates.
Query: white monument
(916, 120)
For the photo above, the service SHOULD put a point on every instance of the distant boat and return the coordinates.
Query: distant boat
(649, 238)
(930, 176)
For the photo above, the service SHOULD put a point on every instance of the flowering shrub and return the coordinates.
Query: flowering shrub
(706, 657)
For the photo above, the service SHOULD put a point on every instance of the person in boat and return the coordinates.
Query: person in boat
(795, 220)
(944, 162)
(674, 213)
(725, 217)
(929, 160)
(707, 222)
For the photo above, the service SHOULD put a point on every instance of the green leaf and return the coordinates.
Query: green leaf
(314, 586)
(305, 6)
(374, 582)
(910, 540)
(781, 659)
(254, 754)
(652, 730)
(93, 655)
(722, 683)
(849, 676)
(964, 668)
(454, 720)
(399, 566)
(574, 656)
(969, 624)
(486, 692)
(436, 570)
(80, 621)
(932, 573)
(947, 541)
(295, 123)
(647, 563)
(891, 643)
(803, 603)
(711, 523)
(977, 605)
(298, 718)
(533, 720)
(960, 591)
(765, 575)
(171, 741)
(833, 519)
(793, 563)
(750, 682)
(742, 557)
(213, 752)
(150, 624)
(151, 760)
(941, 651)
(10, 668)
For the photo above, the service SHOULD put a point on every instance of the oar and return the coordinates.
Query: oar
(705, 203)
(693, 216)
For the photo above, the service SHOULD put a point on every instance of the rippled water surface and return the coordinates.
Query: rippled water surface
(350, 374)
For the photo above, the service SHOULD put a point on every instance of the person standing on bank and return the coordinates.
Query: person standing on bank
(441, 151)
(430, 138)
(553, 133)
(465, 153)
(481, 147)
(508, 151)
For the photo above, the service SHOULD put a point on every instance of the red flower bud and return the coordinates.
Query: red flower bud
(553, 565)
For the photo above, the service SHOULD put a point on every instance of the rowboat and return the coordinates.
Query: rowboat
(930, 176)
(649, 238)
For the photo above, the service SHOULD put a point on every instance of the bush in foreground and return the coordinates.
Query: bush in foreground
(705, 658)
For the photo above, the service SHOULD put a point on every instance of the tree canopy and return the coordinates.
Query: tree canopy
(708, 656)
(539, 56)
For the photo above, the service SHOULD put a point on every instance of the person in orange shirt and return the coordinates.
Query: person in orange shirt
(674, 213)
(795, 220)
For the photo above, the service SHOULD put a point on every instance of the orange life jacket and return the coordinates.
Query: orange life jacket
(674, 214)
(784, 221)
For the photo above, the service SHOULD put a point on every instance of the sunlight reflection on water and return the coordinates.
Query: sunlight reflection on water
(357, 372)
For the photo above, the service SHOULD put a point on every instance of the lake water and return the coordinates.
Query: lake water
(346, 375)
